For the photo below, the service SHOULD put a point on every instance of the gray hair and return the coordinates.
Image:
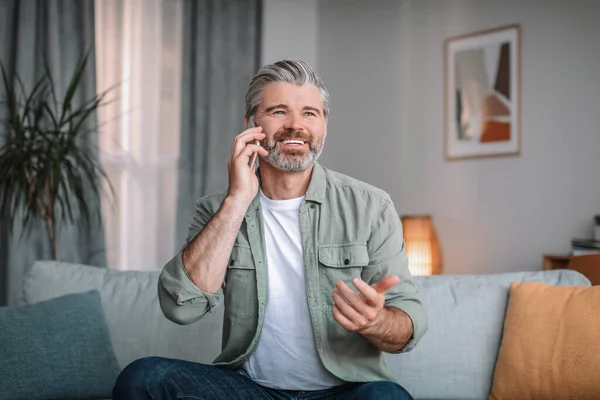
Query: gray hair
(289, 71)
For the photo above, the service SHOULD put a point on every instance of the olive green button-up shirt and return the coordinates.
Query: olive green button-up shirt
(348, 229)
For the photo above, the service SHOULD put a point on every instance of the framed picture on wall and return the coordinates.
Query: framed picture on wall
(483, 94)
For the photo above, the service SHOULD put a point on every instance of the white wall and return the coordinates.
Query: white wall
(289, 30)
(383, 63)
(360, 63)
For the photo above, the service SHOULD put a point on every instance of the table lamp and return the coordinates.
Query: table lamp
(421, 245)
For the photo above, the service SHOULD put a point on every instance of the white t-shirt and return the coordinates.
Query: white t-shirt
(286, 356)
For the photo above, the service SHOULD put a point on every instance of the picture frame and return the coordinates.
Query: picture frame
(482, 94)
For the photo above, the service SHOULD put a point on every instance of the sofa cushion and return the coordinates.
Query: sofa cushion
(550, 347)
(135, 322)
(456, 357)
(56, 349)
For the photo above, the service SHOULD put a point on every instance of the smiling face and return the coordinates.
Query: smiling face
(293, 121)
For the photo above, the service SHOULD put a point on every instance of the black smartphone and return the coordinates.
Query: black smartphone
(254, 158)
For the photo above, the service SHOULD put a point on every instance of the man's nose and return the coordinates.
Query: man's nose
(295, 123)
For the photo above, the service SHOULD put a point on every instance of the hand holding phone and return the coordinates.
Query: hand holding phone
(243, 181)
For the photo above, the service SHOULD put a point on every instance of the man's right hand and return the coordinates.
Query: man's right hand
(243, 182)
(206, 257)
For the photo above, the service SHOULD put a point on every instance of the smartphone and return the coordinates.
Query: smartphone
(254, 158)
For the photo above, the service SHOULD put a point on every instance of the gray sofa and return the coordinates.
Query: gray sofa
(455, 359)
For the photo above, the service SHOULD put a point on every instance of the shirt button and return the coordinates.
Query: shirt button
(232, 262)
(346, 261)
(312, 206)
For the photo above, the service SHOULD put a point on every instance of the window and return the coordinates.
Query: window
(138, 48)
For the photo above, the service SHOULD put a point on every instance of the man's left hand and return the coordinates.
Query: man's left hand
(361, 312)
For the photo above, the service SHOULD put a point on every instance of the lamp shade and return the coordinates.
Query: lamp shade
(421, 245)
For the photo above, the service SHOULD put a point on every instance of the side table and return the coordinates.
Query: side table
(556, 261)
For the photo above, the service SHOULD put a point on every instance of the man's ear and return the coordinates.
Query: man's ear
(246, 121)
(325, 129)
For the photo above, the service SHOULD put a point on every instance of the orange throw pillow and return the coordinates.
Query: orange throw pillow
(551, 344)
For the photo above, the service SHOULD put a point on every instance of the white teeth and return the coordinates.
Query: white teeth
(292, 142)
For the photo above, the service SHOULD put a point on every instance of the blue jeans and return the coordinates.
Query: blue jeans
(164, 378)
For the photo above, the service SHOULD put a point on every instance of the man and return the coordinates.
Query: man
(310, 264)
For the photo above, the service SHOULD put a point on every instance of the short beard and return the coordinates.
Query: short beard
(292, 161)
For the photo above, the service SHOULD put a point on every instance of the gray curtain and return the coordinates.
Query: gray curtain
(61, 31)
(221, 54)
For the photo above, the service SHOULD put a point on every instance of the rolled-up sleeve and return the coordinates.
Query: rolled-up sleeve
(181, 301)
(387, 257)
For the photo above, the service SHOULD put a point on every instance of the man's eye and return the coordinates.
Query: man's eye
(310, 114)
(279, 112)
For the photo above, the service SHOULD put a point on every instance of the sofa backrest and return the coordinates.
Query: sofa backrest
(135, 322)
(454, 360)
(456, 357)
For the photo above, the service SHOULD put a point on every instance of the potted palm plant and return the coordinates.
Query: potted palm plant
(49, 167)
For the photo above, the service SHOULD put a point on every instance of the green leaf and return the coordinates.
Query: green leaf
(11, 103)
(50, 80)
(50, 115)
(64, 196)
(73, 85)
(31, 99)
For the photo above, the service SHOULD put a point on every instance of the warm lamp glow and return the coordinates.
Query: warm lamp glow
(421, 245)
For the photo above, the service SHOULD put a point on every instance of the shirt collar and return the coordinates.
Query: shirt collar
(316, 187)
(314, 192)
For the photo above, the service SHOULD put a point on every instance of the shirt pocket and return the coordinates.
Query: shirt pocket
(240, 283)
(340, 262)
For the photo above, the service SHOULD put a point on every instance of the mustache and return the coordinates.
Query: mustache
(291, 134)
